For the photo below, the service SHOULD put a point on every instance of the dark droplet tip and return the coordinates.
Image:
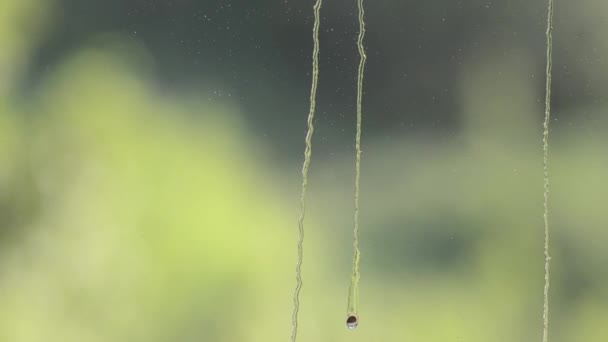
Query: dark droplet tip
(352, 321)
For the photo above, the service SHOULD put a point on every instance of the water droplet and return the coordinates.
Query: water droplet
(352, 322)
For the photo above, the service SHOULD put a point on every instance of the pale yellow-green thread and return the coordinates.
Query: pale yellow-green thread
(546, 166)
(305, 166)
(353, 292)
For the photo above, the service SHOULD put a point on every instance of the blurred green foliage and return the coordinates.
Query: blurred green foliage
(142, 218)
(127, 214)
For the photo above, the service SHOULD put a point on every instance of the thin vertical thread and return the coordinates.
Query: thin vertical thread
(546, 166)
(305, 166)
(353, 293)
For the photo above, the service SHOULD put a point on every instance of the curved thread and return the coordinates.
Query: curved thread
(546, 166)
(353, 292)
(305, 166)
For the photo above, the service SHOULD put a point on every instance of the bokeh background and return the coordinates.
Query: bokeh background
(150, 156)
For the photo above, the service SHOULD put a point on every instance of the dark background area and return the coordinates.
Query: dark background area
(259, 52)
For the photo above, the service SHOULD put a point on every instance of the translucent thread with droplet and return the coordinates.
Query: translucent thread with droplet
(353, 292)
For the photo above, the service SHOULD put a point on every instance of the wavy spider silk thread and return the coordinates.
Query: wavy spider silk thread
(352, 311)
(546, 166)
(305, 166)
